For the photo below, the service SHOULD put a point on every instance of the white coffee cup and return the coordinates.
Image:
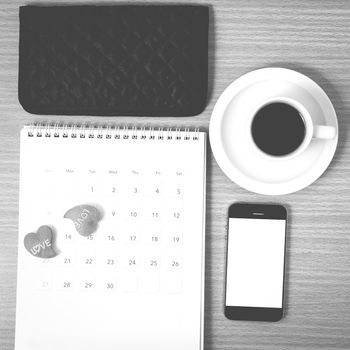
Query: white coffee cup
(312, 130)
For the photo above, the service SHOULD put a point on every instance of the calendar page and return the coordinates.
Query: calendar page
(111, 239)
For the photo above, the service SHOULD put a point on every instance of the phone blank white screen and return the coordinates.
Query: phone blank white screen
(255, 262)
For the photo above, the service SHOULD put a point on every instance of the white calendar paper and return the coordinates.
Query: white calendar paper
(137, 282)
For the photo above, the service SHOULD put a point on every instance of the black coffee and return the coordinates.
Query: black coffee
(278, 129)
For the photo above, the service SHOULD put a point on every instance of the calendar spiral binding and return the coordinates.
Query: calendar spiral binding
(111, 132)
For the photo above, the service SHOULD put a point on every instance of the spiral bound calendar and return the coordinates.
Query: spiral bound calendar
(111, 238)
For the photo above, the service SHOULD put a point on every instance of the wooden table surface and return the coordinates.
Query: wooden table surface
(312, 37)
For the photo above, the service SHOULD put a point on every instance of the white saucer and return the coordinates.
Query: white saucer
(240, 161)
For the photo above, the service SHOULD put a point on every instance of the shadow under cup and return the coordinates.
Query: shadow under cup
(278, 129)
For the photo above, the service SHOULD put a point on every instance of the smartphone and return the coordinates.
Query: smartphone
(255, 262)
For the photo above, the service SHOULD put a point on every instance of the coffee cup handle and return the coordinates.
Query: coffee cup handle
(324, 132)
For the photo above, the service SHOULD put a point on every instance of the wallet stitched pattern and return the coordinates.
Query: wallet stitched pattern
(113, 60)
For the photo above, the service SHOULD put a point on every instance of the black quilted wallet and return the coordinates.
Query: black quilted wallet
(113, 60)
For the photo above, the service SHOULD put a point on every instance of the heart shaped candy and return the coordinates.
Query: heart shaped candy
(40, 243)
(85, 218)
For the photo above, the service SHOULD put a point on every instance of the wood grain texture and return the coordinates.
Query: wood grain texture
(312, 37)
